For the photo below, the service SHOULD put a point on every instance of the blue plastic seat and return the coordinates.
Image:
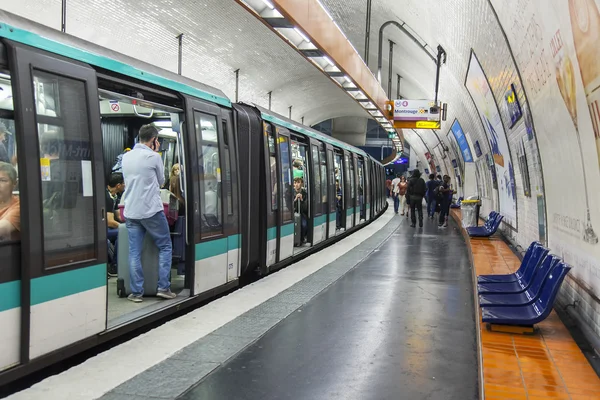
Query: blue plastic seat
(528, 296)
(533, 313)
(519, 273)
(485, 231)
(521, 284)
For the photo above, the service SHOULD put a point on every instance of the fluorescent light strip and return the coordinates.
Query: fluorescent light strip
(329, 61)
(269, 4)
(302, 35)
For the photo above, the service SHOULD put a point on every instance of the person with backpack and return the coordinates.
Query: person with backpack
(431, 195)
(416, 192)
(445, 193)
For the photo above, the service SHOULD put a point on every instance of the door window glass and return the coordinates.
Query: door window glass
(228, 184)
(332, 178)
(66, 169)
(286, 178)
(10, 208)
(317, 175)
(209, 174)
(323, 163)
(273, 169)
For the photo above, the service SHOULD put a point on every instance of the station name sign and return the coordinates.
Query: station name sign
(414, 114)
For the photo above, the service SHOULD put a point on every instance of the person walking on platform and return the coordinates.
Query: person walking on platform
(394, 189)
(402, 188)
(416, 191)
(144, 174)
(446, 193)
(432, 184)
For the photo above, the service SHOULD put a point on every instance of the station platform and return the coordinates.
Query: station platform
(387, 313)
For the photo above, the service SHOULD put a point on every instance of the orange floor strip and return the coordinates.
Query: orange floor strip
(545, 365)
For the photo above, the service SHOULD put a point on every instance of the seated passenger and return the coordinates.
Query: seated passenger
(338, 204)
(301, 206)
(10, 208)
(118, 167)
(116, 186)
(211, 198)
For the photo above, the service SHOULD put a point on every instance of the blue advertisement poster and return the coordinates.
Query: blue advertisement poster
(462, 141)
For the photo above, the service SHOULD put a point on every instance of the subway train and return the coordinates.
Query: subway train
(68, 110)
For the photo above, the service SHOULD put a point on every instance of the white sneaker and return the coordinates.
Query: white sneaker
(166, 294)
(134, 298)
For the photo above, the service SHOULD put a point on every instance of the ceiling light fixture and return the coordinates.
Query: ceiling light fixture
(269, 4)
(329, 61)
(302, 35)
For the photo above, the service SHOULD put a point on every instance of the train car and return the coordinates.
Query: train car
(68, 110)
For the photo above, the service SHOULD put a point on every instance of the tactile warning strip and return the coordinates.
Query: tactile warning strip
(546, 365)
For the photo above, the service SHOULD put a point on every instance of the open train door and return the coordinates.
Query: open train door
(61, 187)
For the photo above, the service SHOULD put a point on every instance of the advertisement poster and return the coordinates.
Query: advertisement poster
(457, 155)
(555, 43)
(462, 141)
(483, 98)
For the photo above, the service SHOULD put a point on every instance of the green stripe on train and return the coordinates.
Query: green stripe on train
(40, 42)
(350, 211)
(320, 220)
(286, 230)
(217, 247)
(10, 295)
(234, 242)
(63, 284)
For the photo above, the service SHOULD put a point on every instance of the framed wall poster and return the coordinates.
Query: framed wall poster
(478, 149)
(513, 107)
(483, 98)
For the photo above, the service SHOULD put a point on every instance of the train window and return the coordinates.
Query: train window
(66, 169)
(207, 139)
(273, 168)
(10, 210)
(332, 187)
(300, 169)
(286, 178)
(228, 186)
(317, 175)
(323, 161)
(352, 179)
(361, 188)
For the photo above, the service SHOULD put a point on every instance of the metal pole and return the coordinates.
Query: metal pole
(270, 100)
(63, 16)
(290, 113)
(302, 119)
(437, 72)
(237, 84)
(180, 53)
(401, 27)
(391, 65)
(398, 87)
(368, 32)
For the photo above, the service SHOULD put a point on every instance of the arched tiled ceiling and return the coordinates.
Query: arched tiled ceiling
(219, 37)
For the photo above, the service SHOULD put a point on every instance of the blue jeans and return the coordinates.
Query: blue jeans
(396, 203)
(158, 228)
(431, 207)
(112, 234)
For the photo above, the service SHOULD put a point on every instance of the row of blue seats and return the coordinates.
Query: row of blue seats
(489, 228)
(527, 296)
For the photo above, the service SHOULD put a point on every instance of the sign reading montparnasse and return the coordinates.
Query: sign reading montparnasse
(414, 114)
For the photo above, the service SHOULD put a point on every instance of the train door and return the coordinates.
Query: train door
(333, 195)
(368, 184)
(214, 209)
(303, 193)
(283, 177)
(350, 189)
(272, 193)
(360, 190)
(340, 181)
(319, 192)
(61, 186)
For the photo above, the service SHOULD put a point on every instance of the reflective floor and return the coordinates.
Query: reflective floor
(398, 326)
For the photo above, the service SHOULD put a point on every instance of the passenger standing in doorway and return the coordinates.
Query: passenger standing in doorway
(416, 191)
(388, 187)
(144, 175)
(301, 206)
(3, 152)
(116, 186)
(402, 188)
(395, 191)
(432, 184)
(446, 193)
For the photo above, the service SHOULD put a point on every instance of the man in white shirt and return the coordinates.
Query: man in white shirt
(395, 190)
(144, 175)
